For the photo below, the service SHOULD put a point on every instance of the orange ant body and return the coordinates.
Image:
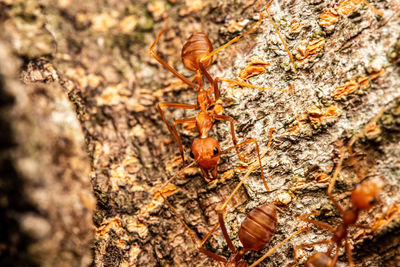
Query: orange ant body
(363, 197)
(197, 55)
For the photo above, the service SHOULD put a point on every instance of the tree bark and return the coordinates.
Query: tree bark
(46, 197)
(347, 59)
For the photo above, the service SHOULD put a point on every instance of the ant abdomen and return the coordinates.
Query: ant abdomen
(196, 46)
(258, 227)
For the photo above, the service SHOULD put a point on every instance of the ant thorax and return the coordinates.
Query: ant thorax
(204, 123)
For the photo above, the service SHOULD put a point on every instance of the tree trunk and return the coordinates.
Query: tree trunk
(347, 58)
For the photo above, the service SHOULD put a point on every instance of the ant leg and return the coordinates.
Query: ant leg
(207, 252)
(368, 125)
(192, 236)
(280, 37)
(205, 72)
(365, 227)
(176, 175)
(221, 210)
(173, 133)
(333, 180)
(335, 258)
(348, 253)
(172, 105)
(318, 223)
(255, 86)
(178, 139)
(271, 131)
(254, 165)
(230, 120)
(244, 84)
(215, 51)
(376, 11)
(221, 222)
(272, 250)
(341, 157)
(205, 58)
(214, 82)
(331, 247)
(165, 64)
(357, 136)
(212, 255)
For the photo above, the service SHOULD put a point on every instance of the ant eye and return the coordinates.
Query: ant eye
(215, 151)
(191, 154)
(372, 201)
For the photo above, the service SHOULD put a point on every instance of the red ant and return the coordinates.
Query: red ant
(197, 55)
(363, 197)
(254, 233)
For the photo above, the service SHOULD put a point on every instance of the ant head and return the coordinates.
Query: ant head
(318, 259)
(205, 151)
(366, 194)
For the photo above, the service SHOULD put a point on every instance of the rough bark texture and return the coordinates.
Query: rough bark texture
(46, 197)
(348, 68)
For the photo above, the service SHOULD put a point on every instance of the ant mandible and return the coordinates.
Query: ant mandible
(254, 233)
(363, 197)
(197, 55)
